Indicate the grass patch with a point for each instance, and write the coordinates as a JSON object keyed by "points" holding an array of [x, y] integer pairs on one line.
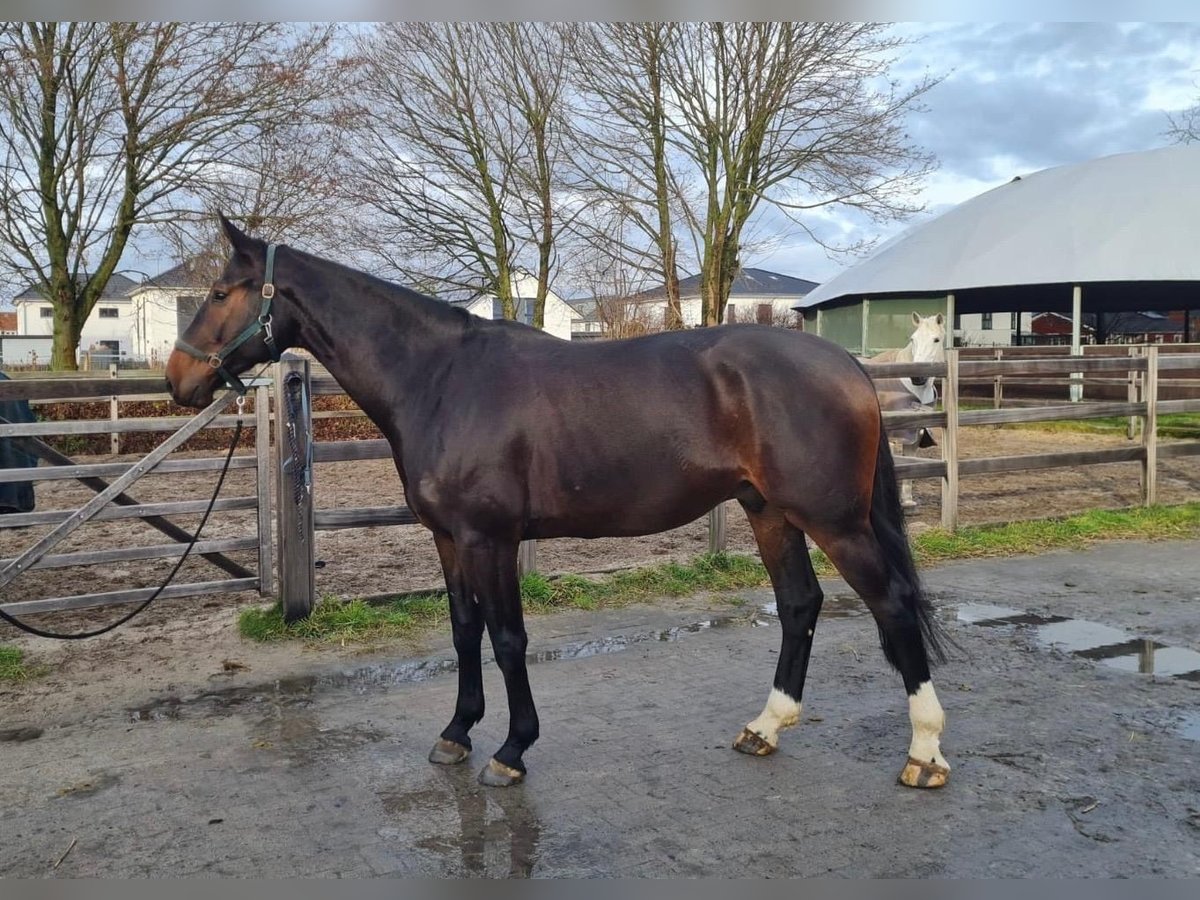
{"points": [[13, 666], [1170, 425], [365, 623], [356, 621], [1073, 532]]}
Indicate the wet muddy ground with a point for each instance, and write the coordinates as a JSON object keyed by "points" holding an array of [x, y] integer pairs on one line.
{"points": [[1073, 717]]}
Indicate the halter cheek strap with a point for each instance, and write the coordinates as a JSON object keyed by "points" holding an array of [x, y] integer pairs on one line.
{"points": [[261, 325]]}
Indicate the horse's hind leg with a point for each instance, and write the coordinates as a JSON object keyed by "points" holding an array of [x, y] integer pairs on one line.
{"points": [[466, 620], [894, 601], [798, 599]]}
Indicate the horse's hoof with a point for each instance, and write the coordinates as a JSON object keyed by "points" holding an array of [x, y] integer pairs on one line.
{"points": [[753, 744], [448, 753], [917, 774], [497, 774]]}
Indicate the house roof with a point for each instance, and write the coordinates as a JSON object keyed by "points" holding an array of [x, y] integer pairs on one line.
{"points": [[117, 289], [748, 282], [1128, 218], [187, 274]]}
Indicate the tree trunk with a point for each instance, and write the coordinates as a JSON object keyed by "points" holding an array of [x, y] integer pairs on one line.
{"points": [[66, 339]]}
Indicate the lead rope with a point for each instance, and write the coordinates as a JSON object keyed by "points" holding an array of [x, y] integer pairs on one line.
{"points": [[62, 636]]}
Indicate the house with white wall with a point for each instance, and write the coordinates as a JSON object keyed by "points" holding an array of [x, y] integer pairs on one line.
{"points": [[557, 315], [107, 330], [756, 295], [162, 307]]}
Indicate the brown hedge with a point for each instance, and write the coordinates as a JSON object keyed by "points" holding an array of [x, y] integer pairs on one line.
{"points": [[209, 439]]}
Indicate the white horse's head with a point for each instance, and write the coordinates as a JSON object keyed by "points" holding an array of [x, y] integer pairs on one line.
{"points": [[929, 339]]}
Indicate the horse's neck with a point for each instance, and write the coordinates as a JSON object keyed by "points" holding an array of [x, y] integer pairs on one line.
{"points": [[904, 354], [372, 336]]}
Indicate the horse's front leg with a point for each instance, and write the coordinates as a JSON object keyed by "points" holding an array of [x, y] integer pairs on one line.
{"points": [[907, 501], [466, 619], [490, 565]]}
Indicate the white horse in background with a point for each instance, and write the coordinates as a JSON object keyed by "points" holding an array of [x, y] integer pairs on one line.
{"points": [[927, 344]]}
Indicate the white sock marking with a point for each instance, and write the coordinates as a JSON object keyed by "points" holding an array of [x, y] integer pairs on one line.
{"points": [[928, 720], [780, 712]]}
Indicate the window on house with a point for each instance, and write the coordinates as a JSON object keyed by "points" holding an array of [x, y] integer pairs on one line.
{"points": [[46, 312], [987, 321], [108, 312], [763, 313]]}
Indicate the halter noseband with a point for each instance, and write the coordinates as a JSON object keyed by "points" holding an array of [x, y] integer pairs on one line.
{"points": [[262, 324]]}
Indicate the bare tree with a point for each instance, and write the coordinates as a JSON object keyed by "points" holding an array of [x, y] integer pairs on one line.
{"points": [[284, 186], [786, 113], [622, 131], [714, 120], [460, 153], [103, 126], [613, 285], [1185, 126]]}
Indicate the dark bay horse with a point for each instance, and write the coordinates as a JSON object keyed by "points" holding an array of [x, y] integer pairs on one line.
{"points": [[501, 432]]}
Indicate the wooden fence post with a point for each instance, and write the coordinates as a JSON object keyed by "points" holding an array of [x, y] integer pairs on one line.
{"points": [[526, 558], [1150, 430], [998, 384], [950, 442], [1132, 386], [262, 451], [114, 413], [716, 529], [293, 441]]}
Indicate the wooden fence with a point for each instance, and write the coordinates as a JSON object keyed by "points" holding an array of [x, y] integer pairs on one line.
{"points": [[1140, 373], [297, 457], [123, 506]]}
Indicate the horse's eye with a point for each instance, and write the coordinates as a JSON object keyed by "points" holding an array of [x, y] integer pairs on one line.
{"points": [[219, 296]]}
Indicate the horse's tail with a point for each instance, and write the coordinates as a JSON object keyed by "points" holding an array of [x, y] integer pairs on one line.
{"points": [[887, 520]]}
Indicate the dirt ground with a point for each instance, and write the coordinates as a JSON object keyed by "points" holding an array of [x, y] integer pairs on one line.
{"points": [[1072, 756], [380, 560]]}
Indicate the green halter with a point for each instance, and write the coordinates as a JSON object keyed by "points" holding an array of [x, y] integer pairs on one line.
{"points": [[262, 324]]}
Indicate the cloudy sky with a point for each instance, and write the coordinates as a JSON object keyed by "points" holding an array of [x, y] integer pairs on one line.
{"points": [[1016, 98]]}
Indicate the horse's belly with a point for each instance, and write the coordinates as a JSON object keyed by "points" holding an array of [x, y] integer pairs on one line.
{"points": [[626, 512]]}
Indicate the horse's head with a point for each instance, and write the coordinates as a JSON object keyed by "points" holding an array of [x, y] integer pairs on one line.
{"points": [[240, 323], [928, 340]]}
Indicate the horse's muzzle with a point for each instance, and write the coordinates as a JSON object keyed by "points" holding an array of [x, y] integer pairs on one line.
{"points": [[919, 381]]}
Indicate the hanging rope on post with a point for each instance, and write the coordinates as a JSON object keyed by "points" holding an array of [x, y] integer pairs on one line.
{"points": [[299, 465]]}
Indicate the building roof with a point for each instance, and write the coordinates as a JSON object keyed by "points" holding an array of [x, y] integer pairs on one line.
{"points": [[117, 289], [1108, 222], [188, 274], [749, 282]]}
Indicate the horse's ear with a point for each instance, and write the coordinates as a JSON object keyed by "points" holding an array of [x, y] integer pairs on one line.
{"points": [[941, 319], [239, 239], [916, 319]]}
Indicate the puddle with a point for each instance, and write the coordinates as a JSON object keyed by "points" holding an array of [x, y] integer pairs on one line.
{"points": [[1189, 727], [1103, 644], [474, 832]]}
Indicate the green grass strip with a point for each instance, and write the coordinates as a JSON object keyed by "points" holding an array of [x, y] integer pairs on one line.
{"points": [[357, 621]]}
